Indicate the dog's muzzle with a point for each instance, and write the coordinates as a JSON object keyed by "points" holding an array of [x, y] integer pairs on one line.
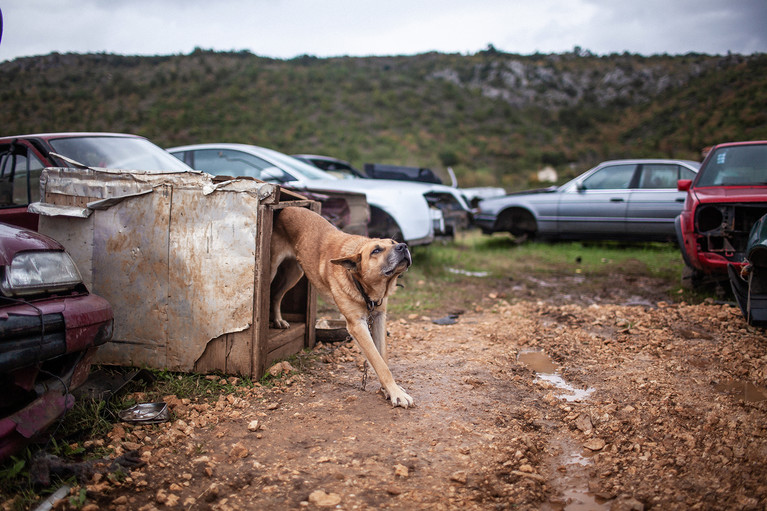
{"points": [[399, 255]]}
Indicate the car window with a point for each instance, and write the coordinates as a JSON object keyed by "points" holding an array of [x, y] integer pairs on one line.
{"points": [[229, 162], [294, 165], [685, 173], [744, 165], [659, 175], [128, 153], [19, 179], [610, 178]]}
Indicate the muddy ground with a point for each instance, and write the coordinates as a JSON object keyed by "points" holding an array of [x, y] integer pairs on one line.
{"points": [[540, 396]]}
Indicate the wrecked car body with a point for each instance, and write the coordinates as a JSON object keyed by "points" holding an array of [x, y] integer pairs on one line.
{"points": [[749, 282], [726, 198], [50, 328], [406, 212]]}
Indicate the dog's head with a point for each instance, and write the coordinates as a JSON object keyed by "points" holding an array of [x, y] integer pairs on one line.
{"points": [[377, 260]]}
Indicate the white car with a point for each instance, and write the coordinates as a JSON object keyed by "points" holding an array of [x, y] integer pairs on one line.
{"points": [[411, 212]]}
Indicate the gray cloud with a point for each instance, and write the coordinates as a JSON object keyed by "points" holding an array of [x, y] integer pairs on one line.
{"points": [[287, 28]]}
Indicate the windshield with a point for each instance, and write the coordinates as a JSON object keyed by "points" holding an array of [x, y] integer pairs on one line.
{"points": [[303, 169], [128, 153], [744, 165]]}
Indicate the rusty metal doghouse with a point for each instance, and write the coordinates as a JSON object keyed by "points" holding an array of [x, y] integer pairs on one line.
{"points": [[183, 258]]}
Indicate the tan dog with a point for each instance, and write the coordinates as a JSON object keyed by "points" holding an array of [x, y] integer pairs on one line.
{"points": [[357, 273]]}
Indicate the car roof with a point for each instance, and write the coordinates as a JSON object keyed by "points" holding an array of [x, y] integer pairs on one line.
{"points": [[319, 157], [748, 142], [73, 134], [624, 161]]}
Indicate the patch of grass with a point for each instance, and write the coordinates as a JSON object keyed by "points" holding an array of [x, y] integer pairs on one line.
{"points": [[455, 273], [193, 385]]}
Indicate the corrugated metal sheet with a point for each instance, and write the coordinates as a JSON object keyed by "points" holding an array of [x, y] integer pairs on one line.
{"points": [[174, 253]]}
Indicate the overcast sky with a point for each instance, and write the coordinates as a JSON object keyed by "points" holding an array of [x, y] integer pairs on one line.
{"points": [[325, 28]]}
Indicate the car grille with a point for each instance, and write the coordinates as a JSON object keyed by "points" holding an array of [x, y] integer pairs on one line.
{"points": [[724, 228]]}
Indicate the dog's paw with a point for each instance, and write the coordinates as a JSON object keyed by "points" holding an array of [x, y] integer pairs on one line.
{"points": [[280, 323], [399, 397]]}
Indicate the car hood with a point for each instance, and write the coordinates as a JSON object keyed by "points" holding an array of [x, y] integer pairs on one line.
{"points": [[504, 199], [14, 240], [739, 194], [393, 186], [374, 186]]}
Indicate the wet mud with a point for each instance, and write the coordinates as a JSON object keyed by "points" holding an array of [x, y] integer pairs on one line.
{"points": [[524, 402]]}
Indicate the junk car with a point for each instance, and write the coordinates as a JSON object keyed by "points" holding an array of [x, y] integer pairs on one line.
{"points": [[50, 327], [723, 202]]}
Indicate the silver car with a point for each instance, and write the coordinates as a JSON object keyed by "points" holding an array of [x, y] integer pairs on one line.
{"points": [[633, 200], [405, 211]]}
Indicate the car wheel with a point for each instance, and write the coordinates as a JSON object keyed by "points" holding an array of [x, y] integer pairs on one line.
{"points": [[519, 222], [692, 279]]}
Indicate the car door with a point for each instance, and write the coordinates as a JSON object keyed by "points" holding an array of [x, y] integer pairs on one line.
{"points": [[597, 206], [656, 202], [20, 170]]}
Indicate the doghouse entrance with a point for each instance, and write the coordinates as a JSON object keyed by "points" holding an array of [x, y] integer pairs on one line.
{"points": [[299, 307]]}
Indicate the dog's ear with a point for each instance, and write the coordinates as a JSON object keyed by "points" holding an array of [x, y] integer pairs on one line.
{"points": [[350, 263]]}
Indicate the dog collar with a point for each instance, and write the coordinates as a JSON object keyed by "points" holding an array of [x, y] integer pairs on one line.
{"points": [[368, 302]]}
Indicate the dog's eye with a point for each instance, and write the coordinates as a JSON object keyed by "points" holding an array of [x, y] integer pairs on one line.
{"points": [[376, 250]]}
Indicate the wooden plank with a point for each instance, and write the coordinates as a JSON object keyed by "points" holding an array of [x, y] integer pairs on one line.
{"points": [[292, 347], [279, 337], [259, 348], [214, 356]]}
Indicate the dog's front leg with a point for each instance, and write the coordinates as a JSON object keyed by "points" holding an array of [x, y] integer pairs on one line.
{"points": [[358, 328], [378, 331]]}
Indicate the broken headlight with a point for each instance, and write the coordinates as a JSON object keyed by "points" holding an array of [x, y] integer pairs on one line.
{"points": [[39, 272]]}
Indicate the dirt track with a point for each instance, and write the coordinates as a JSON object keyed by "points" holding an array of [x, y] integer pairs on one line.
{"points": [[659, 421]]}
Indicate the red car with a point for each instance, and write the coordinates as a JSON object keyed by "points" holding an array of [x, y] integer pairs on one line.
{"points": [[50, 326], [726, 198]]}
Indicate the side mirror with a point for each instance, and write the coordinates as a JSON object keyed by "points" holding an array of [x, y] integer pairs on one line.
{"points": [[683, 185]]}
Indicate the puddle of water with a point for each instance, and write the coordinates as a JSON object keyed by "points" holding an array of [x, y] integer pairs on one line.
{"points": [[570, 480], [573, 483], [546, 370], [469, 273], [581, 500], [744, 390], [573, 394], [538, 361]]}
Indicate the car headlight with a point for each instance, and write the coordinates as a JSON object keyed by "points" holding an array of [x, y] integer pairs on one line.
{"points": [[39, 272]]}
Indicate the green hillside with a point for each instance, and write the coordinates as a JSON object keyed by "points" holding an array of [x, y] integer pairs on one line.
{"points": [[496, 118]]}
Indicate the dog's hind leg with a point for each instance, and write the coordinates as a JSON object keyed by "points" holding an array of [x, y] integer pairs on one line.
{"points": [[288, 276]]}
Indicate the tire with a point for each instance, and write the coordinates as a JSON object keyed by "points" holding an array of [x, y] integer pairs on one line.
{"points": [[519, 222], [692, 279]]}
